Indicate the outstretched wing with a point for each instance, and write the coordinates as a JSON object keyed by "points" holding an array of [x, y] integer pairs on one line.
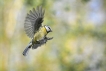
{"points": [[34, 21]]}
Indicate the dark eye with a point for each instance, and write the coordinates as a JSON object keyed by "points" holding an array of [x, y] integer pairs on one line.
{"points": [[49, 27]]}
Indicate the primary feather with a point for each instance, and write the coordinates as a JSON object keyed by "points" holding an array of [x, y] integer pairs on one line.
{"points": [[34, 21]]}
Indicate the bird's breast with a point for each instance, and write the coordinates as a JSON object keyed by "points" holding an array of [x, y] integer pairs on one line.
{"points": [[40, 34]]}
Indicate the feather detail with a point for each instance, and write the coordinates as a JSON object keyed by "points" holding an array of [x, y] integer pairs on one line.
{"points": [[27, 49], [34, 21]]}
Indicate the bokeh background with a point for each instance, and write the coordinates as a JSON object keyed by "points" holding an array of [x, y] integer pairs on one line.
{"points": [[79, 31]]}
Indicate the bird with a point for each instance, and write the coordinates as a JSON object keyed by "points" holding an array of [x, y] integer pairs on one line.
{"points": [[35, 30]]}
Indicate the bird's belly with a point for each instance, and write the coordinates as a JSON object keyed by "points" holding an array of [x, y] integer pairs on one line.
{"points": [[39, 36]]}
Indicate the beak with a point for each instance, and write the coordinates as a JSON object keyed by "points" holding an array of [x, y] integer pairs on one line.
{"points": [[50, 30]]}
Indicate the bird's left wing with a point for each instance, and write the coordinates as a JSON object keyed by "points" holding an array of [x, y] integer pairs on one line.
{"points": [[34, 21]]}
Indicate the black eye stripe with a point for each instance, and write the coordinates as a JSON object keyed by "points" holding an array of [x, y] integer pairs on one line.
{"points": [[49, 27]]}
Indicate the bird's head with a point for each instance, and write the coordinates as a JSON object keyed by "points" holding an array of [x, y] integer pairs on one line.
{"points": [[48, 29]]}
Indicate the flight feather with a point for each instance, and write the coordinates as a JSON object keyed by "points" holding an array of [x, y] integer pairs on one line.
{"points": [[34, 21]]}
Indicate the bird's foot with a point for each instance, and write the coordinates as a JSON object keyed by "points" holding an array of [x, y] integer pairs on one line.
{"points": [[49, 38]]}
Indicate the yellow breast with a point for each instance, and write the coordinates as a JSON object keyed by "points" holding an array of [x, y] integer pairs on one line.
{"points": [[40, 34]]}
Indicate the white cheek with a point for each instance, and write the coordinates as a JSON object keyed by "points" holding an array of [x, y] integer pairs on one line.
{"points": [[47, 28]]}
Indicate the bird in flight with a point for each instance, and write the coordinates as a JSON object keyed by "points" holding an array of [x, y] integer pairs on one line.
{"points": [[35, 30]]}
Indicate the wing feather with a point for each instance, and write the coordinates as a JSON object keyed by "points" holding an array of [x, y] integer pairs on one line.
{"points": [[34, 21]]}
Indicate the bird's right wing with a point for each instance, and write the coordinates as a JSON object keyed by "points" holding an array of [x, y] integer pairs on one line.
{"points": [[34, 21]]}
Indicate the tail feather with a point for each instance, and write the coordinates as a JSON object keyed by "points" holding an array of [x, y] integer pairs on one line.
{"points": [[27, 49]]}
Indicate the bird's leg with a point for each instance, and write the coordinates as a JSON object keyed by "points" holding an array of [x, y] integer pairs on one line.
{"points": [[49, 38], [44, 40]]}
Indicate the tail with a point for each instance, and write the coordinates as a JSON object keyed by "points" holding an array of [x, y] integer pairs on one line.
{"points": [[27, 49]]}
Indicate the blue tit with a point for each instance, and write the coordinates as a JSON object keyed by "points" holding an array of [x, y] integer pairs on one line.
{"points": [[35, 30]]}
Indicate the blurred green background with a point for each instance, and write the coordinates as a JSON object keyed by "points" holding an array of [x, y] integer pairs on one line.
{"points": [[79, 31]]}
